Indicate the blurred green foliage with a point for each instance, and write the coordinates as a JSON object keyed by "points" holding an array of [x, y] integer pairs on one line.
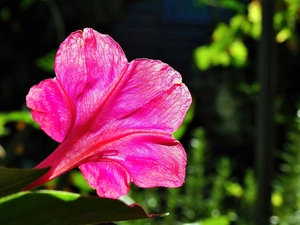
{"points": [[286, 197], [5, 14], [24, 4], [46, 63], [232, 4], [228, 47], [79, 181], [16, 116]]}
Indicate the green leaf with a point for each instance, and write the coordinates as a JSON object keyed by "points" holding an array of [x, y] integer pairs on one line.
{"points": [[221, 220], [255, 17], [284, 34], [222, 30], [24, 4], [63, 208], [254, 12], [46, 62], [277, 199], [5, 14], [202, 57], [15, 180], [237, 22], [234, 189], [233, 5], [238, 52], [15, 116], [79, 181]]}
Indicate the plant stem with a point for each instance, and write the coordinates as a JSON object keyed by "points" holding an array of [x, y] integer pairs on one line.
{"points": [[265, 118]]}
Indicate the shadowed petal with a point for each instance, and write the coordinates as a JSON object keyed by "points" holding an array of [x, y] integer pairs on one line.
{"points": [[50, 108], [156, 161], [151, 160], [109, 178]]}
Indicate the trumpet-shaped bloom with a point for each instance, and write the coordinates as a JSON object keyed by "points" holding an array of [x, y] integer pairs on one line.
{"points": [[114, 119]]}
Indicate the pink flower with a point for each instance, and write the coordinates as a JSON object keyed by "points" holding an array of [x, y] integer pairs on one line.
{"points": [[113, 119]]}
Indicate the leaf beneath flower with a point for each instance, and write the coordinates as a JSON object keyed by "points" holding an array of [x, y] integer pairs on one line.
{"points": [[15, 180], [64, 208]]}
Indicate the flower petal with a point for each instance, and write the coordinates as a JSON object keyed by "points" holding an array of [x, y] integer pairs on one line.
{"points": [[49, 107], [148, 160], [152, 160], [151, 96], [109, 178], [88, 64]]}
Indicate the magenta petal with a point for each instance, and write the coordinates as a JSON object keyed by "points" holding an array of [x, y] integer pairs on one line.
{"points": [[150, 96], [110, 179], [152, 159], [163, 112], [157, 169], [88, 64], [147, 160], [50, 108]]}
